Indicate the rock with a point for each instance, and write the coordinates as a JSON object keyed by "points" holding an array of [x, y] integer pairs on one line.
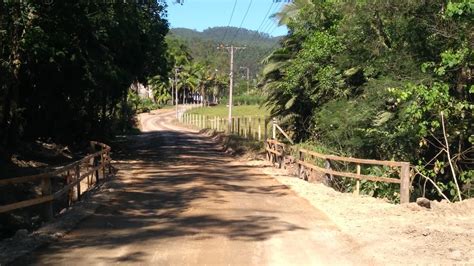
{"points": [[423, 202], [455, 255], [20, 234]]}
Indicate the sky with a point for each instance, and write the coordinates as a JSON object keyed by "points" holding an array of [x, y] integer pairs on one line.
{"points": [[203, 14]]}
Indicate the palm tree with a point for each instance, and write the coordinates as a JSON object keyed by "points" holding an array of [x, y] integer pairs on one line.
{"points": [[291, 11], [160, 87]]}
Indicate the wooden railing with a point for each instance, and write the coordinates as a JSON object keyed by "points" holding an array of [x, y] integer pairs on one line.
{"points": [[253, 128], [93, 165], [404, 170], [276, 152]]}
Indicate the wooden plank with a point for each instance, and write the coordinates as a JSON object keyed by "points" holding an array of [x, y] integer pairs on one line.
{"points": [[352, 175], [353, 160], [273, 141], [274, 151], [25, 203], [66, 188], [284, 134], [31, 178]]}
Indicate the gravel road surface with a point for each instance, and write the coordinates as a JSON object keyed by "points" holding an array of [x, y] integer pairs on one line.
{"points": [[179, 200]]}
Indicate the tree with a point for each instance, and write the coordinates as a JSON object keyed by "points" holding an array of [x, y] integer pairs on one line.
{"points": [[370, 79], [68, 65]]}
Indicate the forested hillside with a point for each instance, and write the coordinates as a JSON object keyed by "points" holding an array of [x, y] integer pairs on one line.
{"points": [[381, 80], [66, 66], [203, 47]]}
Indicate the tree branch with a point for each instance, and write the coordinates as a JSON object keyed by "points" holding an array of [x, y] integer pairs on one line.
{"points": [[449, 157]]}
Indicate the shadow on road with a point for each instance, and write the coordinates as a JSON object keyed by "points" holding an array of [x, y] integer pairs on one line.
{"points": [[172, 184]]}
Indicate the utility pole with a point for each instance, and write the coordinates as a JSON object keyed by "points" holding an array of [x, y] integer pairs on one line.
{"points": [[176, 71], [231, 49], [172, 90], [248, 78]]}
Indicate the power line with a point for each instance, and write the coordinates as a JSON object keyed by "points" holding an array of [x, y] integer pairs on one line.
{"points": [[230, 20], [242, 22], [269, 26], [265, 17], [266, 23], [263, 21]]}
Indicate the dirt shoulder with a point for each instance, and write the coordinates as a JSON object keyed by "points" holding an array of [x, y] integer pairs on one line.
{"points": [[394, 234]]}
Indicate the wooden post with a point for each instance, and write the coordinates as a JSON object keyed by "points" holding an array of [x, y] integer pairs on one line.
{"points": [[300, 159], [327, 165], [357, 191], [238, 126], [265, 126], [259, 129], [233, 125], [93, 163], [267, 145], [70, 193], [274, 128], [250, 128], [96, 163], [405, 183], [102, 163], [282, 157], [78, 176], [46, 191]]}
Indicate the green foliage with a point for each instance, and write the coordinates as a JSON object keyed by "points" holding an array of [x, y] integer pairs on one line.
{"points": [[202, 47], [371, 78], [67, 66]]}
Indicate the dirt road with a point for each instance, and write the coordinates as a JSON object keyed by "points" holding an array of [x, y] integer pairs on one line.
{"points": [[180, 200]]}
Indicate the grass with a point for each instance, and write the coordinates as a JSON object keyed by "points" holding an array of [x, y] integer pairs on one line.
{"points": [[237, 111]]}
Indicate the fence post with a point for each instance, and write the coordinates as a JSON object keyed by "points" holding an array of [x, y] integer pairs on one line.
{"points": [[238, 126], [94, 164], [282, 157], [357, 191], [102, 164], [405, 183], [300, 159], [250, 128], [274, 128], [46, 191], [265, 125], [78, 176], [327, 165]]}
